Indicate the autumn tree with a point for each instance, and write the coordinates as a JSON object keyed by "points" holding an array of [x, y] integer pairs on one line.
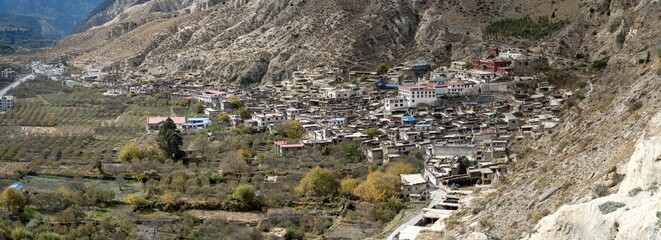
{"points": [[13, 200], [130, 152], [169, 140], [136, 201], [293, 129], [318, 182], [377, 187], [397, 168], [348, 186]]}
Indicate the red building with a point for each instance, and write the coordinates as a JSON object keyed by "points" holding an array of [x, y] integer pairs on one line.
{"points": [[498, 66]]}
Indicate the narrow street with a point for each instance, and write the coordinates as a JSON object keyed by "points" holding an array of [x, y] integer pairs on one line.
{"points": [[437, 196], [15, 84]]}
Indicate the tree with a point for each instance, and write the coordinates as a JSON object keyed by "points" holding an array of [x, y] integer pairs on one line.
{"points": [[245, 198], [293, 129], [20, 234], [318, 182], [348, 186], [169, 140], [49, 236], [136, 201], [199, 108], [397, 168], [234, 101], [13, 200], [382, 69], [373, 132], [130, 152], [243, 112], [377, 187], [224, 118], [464, 164]]}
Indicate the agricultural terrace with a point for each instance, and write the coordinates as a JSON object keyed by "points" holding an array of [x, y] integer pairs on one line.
{"points": [[64, 143]]}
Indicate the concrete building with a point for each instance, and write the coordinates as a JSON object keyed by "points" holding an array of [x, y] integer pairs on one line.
{"points": [[263, 120], [413, 185], [8, 73], [6, 103], [411, 97]]}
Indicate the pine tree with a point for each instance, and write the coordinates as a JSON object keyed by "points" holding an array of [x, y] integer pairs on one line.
{"points": [[169, 139]]}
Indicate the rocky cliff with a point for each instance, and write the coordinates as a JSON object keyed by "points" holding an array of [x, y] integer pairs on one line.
{"points": [[606, 144], [250, 41]]}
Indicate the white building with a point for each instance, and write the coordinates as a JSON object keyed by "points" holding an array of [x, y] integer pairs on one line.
{"points": [[8, 74], [264, 120], [392, 104], [6, 103], [211, 96], [411, 97]]}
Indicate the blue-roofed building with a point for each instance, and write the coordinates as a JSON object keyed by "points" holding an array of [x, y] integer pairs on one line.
{"points": [[16, 186], [420, 66], [385, 85], [408, 120], [197, 123], [439, 80]]}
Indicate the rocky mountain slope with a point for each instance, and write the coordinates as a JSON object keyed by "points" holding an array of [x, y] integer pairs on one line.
{"points": [[64, 15], [247, 41], [607, 142], [607, 121]]}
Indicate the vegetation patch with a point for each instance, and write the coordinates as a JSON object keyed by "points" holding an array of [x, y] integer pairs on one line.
{"points": [[598, 65], [525, 28], [610, 206], [600, 190]]}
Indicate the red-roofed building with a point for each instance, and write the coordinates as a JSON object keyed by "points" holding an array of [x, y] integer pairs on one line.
{"points": [[282, 147], [498, 66], [154, 123]]}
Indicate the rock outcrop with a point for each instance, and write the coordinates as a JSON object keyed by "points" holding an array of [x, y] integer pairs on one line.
{"points": [[639, 213], [250, 41]]}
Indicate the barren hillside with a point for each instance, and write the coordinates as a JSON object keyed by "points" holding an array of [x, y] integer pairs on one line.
{"points": [[243, 41]]}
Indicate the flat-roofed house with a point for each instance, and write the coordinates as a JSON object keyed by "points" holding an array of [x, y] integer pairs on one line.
{"points": [[155, 123], [282, 148], [413, 185]]}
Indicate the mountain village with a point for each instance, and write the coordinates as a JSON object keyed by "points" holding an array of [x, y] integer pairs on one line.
{"points": [[461, 119]]}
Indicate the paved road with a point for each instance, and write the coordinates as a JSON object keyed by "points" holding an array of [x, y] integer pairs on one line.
{"points": [[437, 196], [15, 84]]}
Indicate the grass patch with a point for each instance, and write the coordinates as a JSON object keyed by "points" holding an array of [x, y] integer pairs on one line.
{"points": [[524, 28], [600, 190], [610, 206]]}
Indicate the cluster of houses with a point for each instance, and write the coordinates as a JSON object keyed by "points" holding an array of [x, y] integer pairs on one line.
{"points": [[460, 117]]}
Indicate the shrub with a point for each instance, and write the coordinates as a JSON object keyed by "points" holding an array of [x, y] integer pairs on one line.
{"points": [[20, 234], [610, 206], [600, 190], [635, 191], [49, 236], [599, 64], [292, 233], [524, 28]]}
